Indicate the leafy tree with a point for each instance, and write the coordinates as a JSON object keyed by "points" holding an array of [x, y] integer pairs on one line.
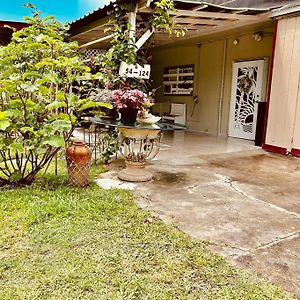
{"points": [[41, 80]]}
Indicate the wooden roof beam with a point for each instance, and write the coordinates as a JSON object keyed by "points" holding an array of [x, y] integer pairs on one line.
{"points": [[199, 21], [213, 15], [200, 7], [98, 23], [197, 8], [96, 41], [164, 37], [238, 24], [190, 27]]}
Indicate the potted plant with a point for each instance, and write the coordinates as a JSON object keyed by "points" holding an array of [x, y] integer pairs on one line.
{"points": [[129, 101]]}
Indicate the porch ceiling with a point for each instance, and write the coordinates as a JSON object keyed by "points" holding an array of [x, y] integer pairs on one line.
{"points": [[198, 17]]}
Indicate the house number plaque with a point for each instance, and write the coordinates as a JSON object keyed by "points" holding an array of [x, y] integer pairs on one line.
{"points": [[135, 71]]}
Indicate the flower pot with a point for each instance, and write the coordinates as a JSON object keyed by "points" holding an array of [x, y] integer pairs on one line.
{"points": [[78, 157], [128, 116]]}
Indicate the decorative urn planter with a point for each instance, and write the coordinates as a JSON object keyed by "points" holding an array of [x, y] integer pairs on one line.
{"points": [[78, 157], [128, 116]]}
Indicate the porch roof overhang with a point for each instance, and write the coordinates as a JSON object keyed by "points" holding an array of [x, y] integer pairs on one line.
{"points": [[289, 10], [198, 17]]}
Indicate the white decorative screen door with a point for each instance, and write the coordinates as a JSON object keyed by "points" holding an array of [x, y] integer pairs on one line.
{"points": [[247, 83]]}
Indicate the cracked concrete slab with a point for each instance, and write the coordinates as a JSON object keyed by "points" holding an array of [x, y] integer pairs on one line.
{"points": [[243, 201], [277, 262], [282, 169]]}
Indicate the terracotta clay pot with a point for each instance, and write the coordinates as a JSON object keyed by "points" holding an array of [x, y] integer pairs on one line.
{"points": [[78, 157], [128, 116]]}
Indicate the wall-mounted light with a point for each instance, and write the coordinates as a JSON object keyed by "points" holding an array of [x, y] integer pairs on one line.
{"points": [[257, 36], [236, 42]]}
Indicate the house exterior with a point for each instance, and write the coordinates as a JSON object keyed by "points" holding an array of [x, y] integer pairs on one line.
{"points": [[236, 69], [6, 30]]}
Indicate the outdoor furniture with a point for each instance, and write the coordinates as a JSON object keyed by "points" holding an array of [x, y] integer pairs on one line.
{"points": [[96, 137], [137, 144], [177, 113]]}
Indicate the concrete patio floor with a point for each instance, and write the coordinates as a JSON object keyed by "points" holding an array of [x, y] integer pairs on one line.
{"points": [[243, 201]]}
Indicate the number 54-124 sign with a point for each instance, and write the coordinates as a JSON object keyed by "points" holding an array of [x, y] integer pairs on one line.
{"points": [[135, 71]]}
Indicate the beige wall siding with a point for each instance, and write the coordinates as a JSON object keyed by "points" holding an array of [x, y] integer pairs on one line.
{"points": [[284, 118], [208, 60], [209, 87]]}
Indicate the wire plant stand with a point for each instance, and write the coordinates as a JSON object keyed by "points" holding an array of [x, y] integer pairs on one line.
{"points": [[139, 150]]}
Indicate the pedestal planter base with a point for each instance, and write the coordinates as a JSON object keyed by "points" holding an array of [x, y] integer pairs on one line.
{"points": [[135, 172]]}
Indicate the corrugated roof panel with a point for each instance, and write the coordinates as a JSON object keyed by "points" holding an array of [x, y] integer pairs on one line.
{"points": [[94, 11], [92, 16], [252, 4], [227, 4]]}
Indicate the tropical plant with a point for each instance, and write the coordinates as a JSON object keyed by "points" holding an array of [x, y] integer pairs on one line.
{"points": [[42, 83]]}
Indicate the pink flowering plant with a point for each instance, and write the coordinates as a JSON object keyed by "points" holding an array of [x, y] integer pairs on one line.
{"points": [[129, 98]]}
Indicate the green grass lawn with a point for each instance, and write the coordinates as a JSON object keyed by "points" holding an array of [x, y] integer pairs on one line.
{"points": [[60, 242]]}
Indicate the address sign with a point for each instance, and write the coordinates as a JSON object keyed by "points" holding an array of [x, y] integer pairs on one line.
{"points": [[135, 71]]}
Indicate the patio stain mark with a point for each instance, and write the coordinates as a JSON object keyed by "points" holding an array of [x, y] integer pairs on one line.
{"points": [[257, 162], [171, 178], [239, 163]]}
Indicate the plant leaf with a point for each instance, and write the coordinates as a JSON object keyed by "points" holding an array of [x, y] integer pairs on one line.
{"points": [[4, 124], [61, 125], [54, 141], [43, 89], [60, 96], [55, 105], [3, 115], [91, 104], [30, 88], [16, 147]]}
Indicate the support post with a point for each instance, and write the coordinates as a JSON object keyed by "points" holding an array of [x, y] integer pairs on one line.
{"points": [[132, 23]]}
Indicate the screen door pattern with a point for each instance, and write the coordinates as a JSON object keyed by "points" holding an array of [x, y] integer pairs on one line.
{"points": [[247, 84]]}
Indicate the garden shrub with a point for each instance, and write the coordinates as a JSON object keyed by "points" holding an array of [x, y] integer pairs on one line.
{"points": [[41, 80]]}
